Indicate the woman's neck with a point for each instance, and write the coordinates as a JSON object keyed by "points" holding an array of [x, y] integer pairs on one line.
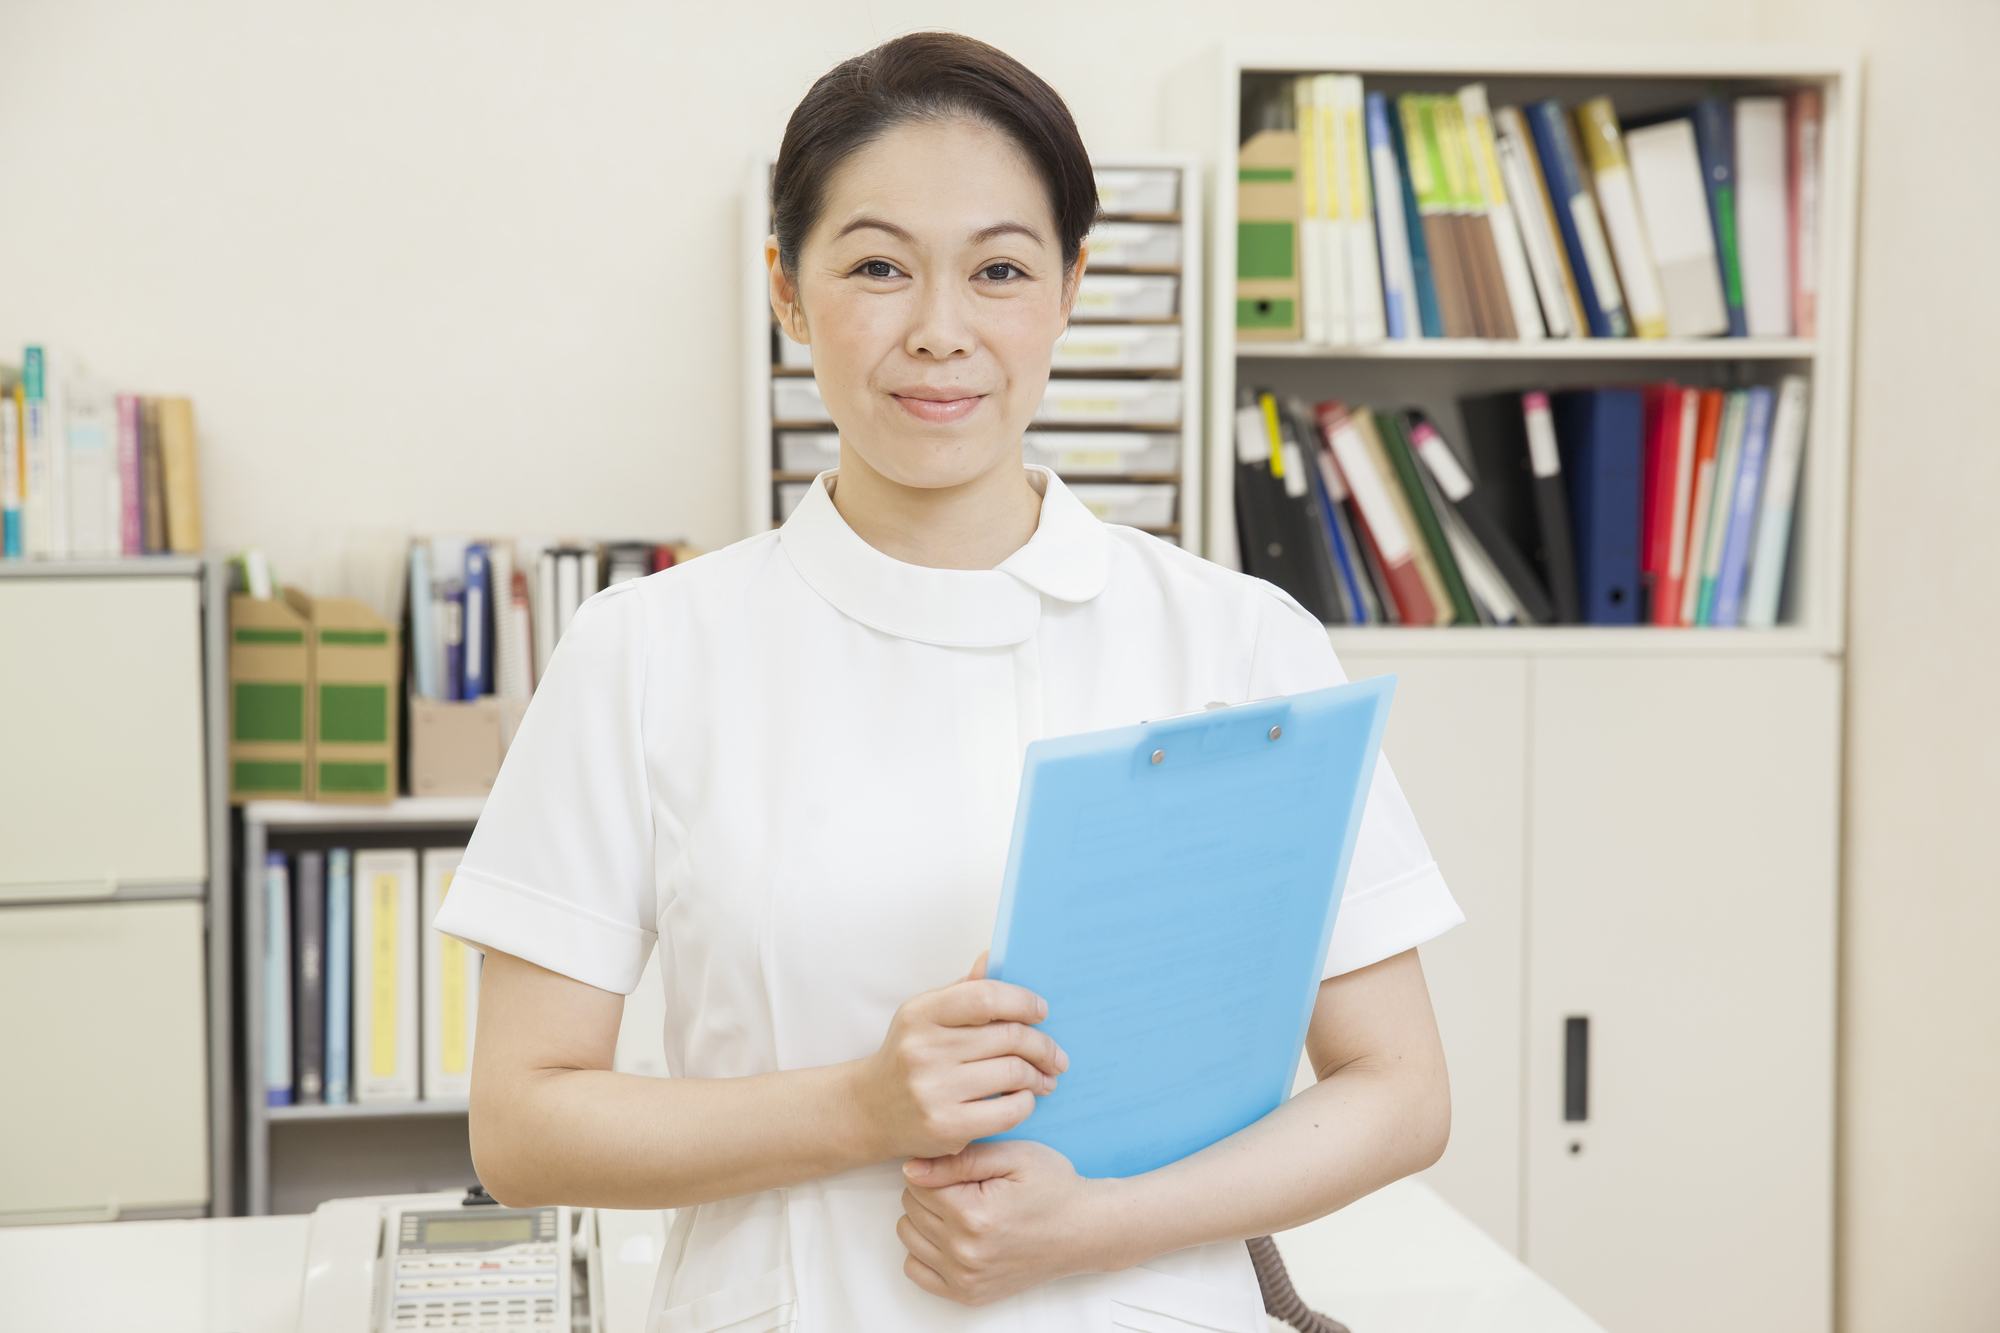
{"points": [[974, 525]]}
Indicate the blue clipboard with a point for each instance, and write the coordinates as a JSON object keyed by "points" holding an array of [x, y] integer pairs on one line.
{"points": [[1171, 891]]}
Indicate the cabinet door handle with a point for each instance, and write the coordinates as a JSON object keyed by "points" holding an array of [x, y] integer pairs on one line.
{"points": [[1576, 1068]]}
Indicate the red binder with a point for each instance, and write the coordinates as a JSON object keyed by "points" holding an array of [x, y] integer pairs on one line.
{"points": [[1382, 528]]}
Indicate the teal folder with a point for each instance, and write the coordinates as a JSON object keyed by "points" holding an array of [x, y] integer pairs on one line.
{"points": [[1170, 892]]}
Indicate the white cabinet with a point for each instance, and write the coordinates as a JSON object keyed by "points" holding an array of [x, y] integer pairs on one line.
{"points": [[113, 985], [1682, 898], [105, 1050], [1648, 844], [1457, 740], [101, 714]]}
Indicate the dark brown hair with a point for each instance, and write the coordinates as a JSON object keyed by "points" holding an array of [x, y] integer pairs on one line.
{"points": [[929, 76]]}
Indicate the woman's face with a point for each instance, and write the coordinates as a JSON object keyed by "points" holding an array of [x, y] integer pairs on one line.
{"points": [[932, 292]]}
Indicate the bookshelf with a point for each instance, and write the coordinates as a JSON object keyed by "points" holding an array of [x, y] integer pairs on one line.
{"points": [[1642, 824], [1154, 451], [296, 1156]]}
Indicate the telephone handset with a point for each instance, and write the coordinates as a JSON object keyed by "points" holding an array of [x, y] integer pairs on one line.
{"points": [[411, 1262]]}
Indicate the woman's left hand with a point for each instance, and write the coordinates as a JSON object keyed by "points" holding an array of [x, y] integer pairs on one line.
{"points": [[999, 1218]]}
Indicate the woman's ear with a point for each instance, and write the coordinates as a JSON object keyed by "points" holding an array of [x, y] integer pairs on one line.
{"points": [[785, 307], [1074, 281]]}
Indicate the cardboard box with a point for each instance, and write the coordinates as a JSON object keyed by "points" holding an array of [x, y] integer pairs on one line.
{"points": [[456, 748], [357, 675], [270, 698]]}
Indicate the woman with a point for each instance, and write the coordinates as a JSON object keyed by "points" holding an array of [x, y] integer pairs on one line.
{"points": [[792, 764]]}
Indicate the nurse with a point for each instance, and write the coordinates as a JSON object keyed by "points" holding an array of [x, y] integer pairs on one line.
{"points": [[791, 767]]}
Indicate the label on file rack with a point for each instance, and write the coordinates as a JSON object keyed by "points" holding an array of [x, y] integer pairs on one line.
{"points": [[1542, 456]]}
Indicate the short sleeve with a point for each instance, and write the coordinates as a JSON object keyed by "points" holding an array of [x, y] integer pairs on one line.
{"points": [[1395, 897], [560, 868]]}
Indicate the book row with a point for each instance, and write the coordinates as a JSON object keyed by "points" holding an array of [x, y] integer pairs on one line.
{"points": [[363, 1001], [1659, 504], [88, 472], [485, 616], [1365, 216]]}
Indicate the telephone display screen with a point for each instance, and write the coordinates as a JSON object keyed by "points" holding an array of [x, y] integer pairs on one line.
{"points": [[457, 1231]]}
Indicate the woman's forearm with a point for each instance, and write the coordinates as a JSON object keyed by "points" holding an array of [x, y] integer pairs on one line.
{"points": [[1335, 1142], [603, 1139]]}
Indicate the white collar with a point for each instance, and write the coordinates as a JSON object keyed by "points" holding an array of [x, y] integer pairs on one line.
{"points": [[1068, 558]]}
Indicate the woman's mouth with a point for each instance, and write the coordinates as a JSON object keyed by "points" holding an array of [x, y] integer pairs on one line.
{"points": [[938, 411]]}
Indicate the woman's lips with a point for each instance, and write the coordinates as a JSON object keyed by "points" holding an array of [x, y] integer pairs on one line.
{"points": [[938, 411]]}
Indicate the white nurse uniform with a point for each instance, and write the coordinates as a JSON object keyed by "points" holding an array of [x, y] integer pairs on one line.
{"points": [[792, 765]]}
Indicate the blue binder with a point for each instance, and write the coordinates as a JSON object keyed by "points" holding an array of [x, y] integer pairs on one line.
{"points": [[1170, 892], [1602, 436]]}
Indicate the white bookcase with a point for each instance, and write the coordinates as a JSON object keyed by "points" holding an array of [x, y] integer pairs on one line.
{"points": [[1109, 487], [296, 1157], [1642, 824]]}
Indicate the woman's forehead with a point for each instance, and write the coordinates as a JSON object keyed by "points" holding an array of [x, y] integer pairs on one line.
{"points": [[953, 180]]}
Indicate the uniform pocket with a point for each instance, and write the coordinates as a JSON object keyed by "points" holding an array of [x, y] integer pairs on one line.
{"points": [[766, 1304], [1145, 1300]]}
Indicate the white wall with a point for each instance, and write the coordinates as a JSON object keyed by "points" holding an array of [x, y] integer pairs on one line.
{"points": [[448, 265], [445, 265]]}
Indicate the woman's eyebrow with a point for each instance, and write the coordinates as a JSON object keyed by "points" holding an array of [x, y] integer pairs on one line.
{"points": [[1006, 229], [876, 224]]}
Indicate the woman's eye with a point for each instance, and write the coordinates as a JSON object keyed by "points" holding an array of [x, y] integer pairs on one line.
{"points": [[879, 268], [999, 272]]}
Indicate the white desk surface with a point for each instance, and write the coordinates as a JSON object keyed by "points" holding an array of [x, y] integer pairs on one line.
{"points": [[1400, 1261]]}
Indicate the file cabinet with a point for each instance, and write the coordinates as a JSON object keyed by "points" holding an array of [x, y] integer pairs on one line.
{"points": [[1647, 854], [114, 963]]}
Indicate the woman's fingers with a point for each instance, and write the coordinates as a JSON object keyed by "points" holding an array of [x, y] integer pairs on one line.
{"points": [[996, 1115], [994, 1040], [969, 1004], [979, 1079]]}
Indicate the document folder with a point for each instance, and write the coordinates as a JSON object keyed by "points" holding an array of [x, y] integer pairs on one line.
{"points": [[1170, 892]]}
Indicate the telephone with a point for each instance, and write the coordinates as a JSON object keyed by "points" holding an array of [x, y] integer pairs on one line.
{"points": [[407, 1263]]}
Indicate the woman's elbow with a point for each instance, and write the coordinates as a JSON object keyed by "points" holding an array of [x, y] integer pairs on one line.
{"points": [[507, 1172], [1429, 1118]]}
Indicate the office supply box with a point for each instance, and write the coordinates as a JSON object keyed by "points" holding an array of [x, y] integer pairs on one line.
{"points": [[270, 697], [357, 673]]}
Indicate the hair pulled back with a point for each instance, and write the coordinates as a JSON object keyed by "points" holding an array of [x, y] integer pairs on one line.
{"points": [[929, 76]]}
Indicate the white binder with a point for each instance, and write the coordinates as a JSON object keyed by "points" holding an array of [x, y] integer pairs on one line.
{"points": [[385, 976], [451, 988]]}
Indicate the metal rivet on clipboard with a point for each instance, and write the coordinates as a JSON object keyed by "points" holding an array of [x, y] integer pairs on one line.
{"points": [[1159, 756], [1277, 732]]}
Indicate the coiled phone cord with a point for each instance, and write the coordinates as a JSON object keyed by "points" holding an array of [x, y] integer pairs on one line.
{"points": [[1280, 1300]]}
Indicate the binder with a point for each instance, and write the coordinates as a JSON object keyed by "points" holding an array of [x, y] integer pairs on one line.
{"points": [[478, 622], [1742, 510], [1715, 142], [1681, 439], [1707, 437], [1425, 166], [277, 980], [1330, 497], [453, 638], [1281, 543], [451, 988], [1562, 309], [309, 980], [1604, 149], [1390, 537], [1364, 267], [1399, 292], [1389, 426], [425, 653], [1666, 172], [1429, 320], [1774, 512], [1472, 502], [1576, 218], [339, 973], [1763, 243], [1500, 213], [1170, 891], [1803, 126], [386, 999], [1601, 433], [1728, 457], [10, 471], [1511, 443]]}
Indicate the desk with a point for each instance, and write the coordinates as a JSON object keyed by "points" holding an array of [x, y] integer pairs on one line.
{"points": [[1400, 1261]]}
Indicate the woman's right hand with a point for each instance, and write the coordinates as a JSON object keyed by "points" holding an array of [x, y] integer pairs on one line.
{"points": [[959, 1063]]}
